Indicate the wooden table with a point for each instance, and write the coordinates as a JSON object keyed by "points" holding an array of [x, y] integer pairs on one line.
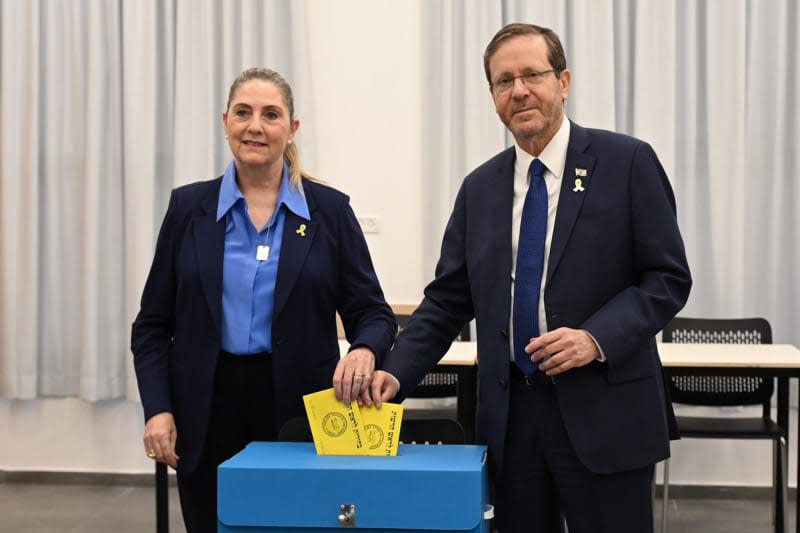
{"points": [[780, 361]]}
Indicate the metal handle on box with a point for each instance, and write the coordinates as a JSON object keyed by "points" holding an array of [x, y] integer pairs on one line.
{"points": [[347, 515]]}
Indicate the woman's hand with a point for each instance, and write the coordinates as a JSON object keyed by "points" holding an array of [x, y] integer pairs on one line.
{"points": [[353, 375], [160, 435]]}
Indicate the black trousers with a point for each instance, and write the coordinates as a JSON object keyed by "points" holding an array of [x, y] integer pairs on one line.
{"points": [[241, 412], [543, 479]]}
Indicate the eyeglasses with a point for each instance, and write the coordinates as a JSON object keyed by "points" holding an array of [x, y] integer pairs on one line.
{"points": [[530, 80]]}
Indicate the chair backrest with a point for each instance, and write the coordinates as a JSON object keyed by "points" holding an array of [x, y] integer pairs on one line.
{"points": [[412, 431], [437, 383], [720, 390], [431, 431]]}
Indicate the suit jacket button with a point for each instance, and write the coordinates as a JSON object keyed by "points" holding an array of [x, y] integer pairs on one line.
{"points": [[503, 383], [504, 333]]}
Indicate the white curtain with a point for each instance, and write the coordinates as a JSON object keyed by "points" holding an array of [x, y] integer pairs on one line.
{"points": [[713, 85], [460, 127], [105, 107]]}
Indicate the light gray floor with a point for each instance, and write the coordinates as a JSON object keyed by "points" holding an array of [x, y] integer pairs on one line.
{"points": [[59, 508], [719, 516], [52, 508]]}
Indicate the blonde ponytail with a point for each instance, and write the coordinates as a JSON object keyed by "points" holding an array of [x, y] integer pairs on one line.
{"points": [[296, 174]]}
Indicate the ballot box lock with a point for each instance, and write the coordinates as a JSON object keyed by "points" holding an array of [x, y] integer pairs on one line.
{"points": [[347, 515]]}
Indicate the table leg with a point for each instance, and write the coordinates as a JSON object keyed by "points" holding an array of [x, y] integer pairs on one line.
{"points": [[797, 492], [783, 421], [467, 400], [162, 498]]}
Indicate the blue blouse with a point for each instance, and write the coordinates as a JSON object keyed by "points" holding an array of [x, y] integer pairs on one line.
{"points": [[248, 280]]}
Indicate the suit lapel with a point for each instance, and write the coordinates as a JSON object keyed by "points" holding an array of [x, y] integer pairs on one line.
{"points": [[500, 213], [209, 242], [575, 185], [298, 234]]}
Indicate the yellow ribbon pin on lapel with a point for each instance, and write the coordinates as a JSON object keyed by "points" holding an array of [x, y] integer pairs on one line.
{"points": [[301, 230], [580, 172]]}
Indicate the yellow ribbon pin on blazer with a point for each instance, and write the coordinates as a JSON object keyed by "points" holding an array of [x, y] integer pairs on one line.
{"points": [[301, 230]]}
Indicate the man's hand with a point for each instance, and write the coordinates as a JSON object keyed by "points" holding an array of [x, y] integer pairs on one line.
{"points": [[563, 349], [384, 387]]}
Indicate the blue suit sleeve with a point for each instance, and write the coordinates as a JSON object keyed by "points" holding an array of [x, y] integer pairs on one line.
{"points": [[635, 315], [367, 319], [152, 331], [443, 312]]}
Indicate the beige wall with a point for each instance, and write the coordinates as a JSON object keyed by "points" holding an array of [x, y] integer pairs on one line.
{"points": [[367, 82]]}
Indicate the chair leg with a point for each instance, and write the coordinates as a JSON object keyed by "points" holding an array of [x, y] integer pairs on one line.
{"points": [[665, 497]]}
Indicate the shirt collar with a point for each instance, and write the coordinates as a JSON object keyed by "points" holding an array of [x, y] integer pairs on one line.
{"points": [[293, 199], [229, 192], [554, 155]]}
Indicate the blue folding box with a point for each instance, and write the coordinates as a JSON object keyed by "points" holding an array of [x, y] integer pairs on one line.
{"points": [[286, 486]]}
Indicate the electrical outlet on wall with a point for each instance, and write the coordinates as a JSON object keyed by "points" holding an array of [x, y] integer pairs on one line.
{"points": [[369, 223]]}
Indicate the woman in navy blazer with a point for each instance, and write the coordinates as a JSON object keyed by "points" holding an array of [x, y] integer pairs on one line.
{"points": [[237, 318]]}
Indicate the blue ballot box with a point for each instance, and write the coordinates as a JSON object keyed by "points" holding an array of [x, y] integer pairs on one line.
{"points": [[286, 486]]}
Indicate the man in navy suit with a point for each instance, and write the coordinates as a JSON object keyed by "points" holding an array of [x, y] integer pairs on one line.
{"points": [[574, 410]]}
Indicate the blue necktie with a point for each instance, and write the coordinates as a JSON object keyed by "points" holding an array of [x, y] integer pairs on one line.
{"points": [[530, 265]]}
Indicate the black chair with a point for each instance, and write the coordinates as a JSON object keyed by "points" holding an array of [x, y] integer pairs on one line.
{"points": [[296, 429], [725, 390], [419, 431]]}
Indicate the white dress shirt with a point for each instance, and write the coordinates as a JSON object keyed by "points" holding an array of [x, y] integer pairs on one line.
{"points": [[554, 158]]}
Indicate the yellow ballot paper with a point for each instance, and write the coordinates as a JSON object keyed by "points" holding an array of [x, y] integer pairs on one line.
{"points": [[339, 429], [381, 429], [336, 427]]}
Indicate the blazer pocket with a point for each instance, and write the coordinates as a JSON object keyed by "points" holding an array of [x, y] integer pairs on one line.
{"points": [[640, 366]]}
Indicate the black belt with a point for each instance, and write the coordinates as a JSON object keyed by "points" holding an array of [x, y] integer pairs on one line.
{"points": [[537, 378]]}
